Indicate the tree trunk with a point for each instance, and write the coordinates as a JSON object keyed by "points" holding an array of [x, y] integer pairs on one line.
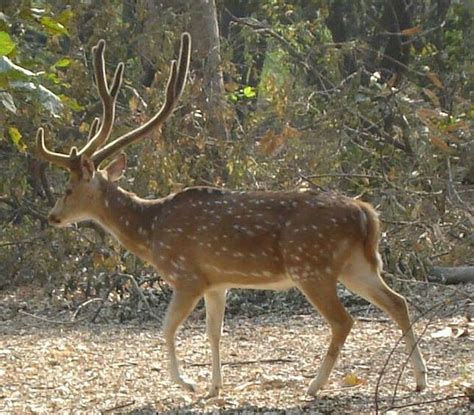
{"points": [[336, 23], [396, 55], [206, 62]]}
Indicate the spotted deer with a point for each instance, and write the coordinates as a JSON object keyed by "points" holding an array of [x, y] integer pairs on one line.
{"points": [[204, 240]]}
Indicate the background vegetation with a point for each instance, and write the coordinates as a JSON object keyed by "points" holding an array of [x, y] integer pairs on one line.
{"points": [[368, 97]]}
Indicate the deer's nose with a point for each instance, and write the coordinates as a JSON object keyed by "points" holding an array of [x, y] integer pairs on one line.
{"points": [[53, 219]]}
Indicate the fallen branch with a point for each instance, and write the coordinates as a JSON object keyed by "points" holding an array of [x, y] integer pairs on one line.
{"points": [[451, 275]]}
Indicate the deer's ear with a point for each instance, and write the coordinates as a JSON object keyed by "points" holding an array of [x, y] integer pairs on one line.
{"points": [[116, 167], [87, 168]]}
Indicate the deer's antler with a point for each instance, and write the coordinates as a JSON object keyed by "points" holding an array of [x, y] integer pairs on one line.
{"points": [[59, 159], [174, 89], [108, 97], [97, 135]]}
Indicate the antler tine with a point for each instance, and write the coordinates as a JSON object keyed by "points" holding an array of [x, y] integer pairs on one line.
{"points": [[94, 128], [59, 159], [108, 97], [183, 64], [117, 81], [174, 89]]}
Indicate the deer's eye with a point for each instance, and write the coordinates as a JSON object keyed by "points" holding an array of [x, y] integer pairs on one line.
{"points": [[68, 192]]}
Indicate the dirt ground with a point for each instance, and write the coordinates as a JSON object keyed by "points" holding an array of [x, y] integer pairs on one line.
{"points": [[269, 360]]}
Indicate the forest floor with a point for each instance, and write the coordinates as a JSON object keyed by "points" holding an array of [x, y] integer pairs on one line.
{"points": [[269, 360]]}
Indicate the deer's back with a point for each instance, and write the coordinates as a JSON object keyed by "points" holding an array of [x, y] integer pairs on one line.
{"points": [[254, 237]]}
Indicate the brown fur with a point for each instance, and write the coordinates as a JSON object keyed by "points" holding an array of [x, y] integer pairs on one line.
{"points": [[372, 238]]}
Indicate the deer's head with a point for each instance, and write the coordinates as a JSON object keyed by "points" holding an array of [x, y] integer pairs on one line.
{"points": [[83, 194]]}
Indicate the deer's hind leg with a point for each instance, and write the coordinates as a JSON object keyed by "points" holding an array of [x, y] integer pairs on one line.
{"points": [[323, 296], [362, 279], [215, 308]]}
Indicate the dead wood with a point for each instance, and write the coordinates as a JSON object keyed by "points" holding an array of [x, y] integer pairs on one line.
{"points": [[451, 275]]}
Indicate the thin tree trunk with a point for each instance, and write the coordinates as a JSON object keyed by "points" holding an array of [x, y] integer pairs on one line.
{"points": [[207, 64]]}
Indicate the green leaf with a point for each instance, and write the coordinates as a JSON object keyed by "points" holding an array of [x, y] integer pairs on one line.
{"points": [[16, 138], [233, 97], [52, 77], [62, 63], [6, 44], [53, 26], [249, 92], [71, 103], [65, 16]]}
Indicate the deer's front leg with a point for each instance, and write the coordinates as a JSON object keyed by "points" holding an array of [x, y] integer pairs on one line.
{"points": [[181, 305], [215, 307]]}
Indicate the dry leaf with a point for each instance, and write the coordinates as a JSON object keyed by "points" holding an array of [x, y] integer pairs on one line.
{"points": [[459, 125], [84, 127], [133, 104], [459, 332], [432, 96], [440, 143], [291, 132], [426, 113], [271, 143], [393, 80], [352, 380], [411, 31], [434, 78], [231, 86], [445, 332]]}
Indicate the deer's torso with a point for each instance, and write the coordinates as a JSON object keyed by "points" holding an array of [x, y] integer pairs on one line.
{"points": [[250, 239]]}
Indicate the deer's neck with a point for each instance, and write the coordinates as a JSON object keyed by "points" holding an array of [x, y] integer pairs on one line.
{"points": [[127, 218]]}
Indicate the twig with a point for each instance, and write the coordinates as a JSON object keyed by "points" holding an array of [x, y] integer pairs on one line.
{"points": [[140, 294], [104, 299], [439, 255], [311, 183], [373, 319], [366, 47], [453, 194], [47, 320], [404, 222], [12, 243], [148, 280], [405, 363], [45, 184], [300, 57], [403, 190], [348, 175], [91, 300], [114, 408], [387, 360], [39, 235], [246, 362], [447, 398]]}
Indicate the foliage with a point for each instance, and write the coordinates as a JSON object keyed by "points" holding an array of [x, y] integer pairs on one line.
{"points": [[309, 107]]}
